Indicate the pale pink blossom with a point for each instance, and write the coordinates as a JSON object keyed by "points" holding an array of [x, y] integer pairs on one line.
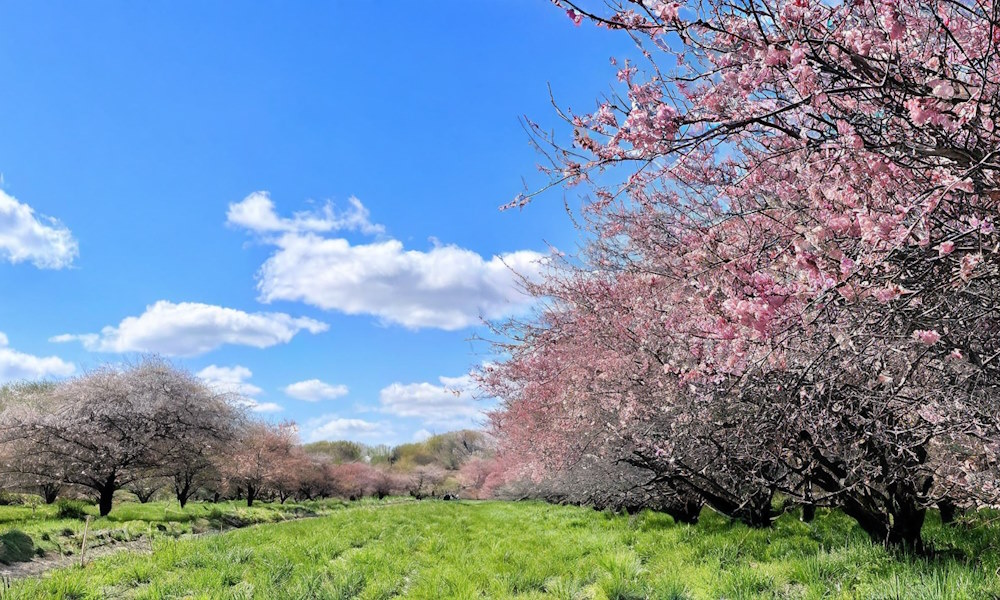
{"points": [[669, 11]]}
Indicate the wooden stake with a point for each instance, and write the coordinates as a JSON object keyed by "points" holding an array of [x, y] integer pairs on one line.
{"points": [[83, 546]]}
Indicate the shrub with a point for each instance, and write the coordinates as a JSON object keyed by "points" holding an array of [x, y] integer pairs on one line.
{"points": [[16, 546], [11, 499], [71, 509]]}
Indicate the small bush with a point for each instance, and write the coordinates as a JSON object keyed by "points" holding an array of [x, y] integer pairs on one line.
{"points": [[71, 509], [16, 546], [11, 499]]}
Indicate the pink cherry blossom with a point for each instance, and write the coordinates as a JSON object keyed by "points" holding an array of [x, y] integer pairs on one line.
{"points": [[926, 336], [777, 231]]}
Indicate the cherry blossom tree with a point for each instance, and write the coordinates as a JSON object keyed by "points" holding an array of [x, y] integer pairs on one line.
{"points": [[315, 479], [254, 463], [20, 470], [425, 480], [791, 279], [475, 477], [111, 428], [354, 480], [145, 489]]}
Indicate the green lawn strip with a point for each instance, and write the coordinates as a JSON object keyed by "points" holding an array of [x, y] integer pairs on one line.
{"points": [[430, 550], [50, 534]]}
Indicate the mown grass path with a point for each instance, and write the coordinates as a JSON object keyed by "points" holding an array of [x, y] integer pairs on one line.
{"points": [[430, 550], [56, 541], [142, 542]]}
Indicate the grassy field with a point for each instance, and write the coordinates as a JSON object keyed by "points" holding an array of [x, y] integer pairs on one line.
{"points": [[50, 533], [468, 550]]}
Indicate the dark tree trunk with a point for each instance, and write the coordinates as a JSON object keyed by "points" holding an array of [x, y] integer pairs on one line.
{"points": [[753, 510], [50, 492], [756, 511], [905, 530], [900, 528], [251, 495], [808, 512], [106, 496], [893, 517], [182, 489], [808, 506], [949, 510], [687, 511]]}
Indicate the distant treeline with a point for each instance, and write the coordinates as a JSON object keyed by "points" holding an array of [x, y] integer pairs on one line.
{"points": [[152, 429]]}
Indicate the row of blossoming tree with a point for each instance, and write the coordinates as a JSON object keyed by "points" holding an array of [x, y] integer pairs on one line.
{"points": [[145, 427], [790, 284]]}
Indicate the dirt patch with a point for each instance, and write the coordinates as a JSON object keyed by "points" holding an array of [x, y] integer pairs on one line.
{"points": [[40, 565]]}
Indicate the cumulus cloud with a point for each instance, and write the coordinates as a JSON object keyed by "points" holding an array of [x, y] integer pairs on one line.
{"points": [[256, 212], [445, 287], [229, 380], [190, 328], [16, 365], [332, 427], [233, 380], [260, 407], [314, 390], [450, 404], [27, 236]]}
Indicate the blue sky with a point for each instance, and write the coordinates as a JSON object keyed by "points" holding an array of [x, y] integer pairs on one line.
{"points": [[298, 201]]}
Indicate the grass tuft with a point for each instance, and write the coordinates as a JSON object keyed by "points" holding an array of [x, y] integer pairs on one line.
{"points": [[16, 546], [71, 509]]}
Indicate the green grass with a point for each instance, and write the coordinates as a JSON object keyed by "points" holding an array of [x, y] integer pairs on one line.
{"points": [[49, 532], [462, 550]]}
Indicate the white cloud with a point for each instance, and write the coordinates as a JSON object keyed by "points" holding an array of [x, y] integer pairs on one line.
{"points": [[421, 435], [256, 213], [331, 427], [452, 404], [314, 390], [446, 287], [16, 365], [26, 236], [233, 380], [190, 328], [261, 407], [229, 380]]}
